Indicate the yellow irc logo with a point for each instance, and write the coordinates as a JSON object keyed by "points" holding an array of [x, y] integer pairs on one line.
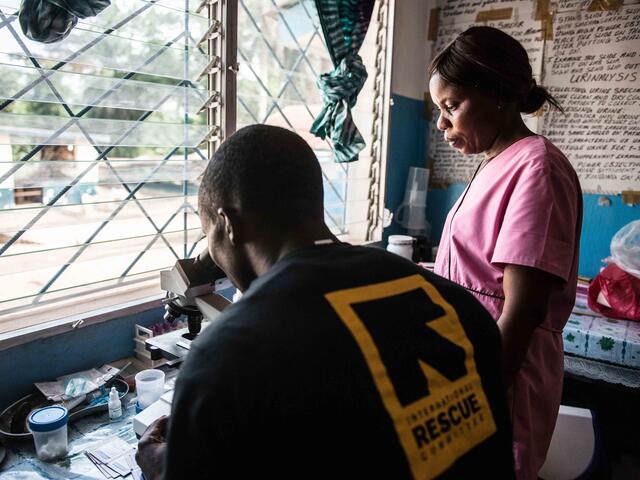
{"points": [[423, 368]]}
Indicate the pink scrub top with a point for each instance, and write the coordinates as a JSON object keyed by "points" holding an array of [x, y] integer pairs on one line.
{"points": [[524, 208]]}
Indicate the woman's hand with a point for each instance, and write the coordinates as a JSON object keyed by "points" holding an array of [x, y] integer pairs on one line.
{"points": [[151, 449], [527, 292]]}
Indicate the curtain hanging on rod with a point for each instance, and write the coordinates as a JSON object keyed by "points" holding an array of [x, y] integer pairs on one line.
{"points": [[344, 26]]}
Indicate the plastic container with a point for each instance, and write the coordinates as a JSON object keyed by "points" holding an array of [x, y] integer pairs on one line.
{"points": [[49, 428], [625, 248], [401, 245], [114, 405], [411, 214], [149, 386]]}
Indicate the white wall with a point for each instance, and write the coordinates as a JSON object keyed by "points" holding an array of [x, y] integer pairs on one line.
{"points": [[409, 48]]}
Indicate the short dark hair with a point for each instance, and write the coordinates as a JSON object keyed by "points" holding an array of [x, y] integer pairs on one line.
{"points": [[495, 63], [266, 170]]}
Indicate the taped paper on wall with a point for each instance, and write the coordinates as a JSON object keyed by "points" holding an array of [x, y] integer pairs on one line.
{"points": [[434, 20], [493, 15], [595, 75], [591, 65], [605, 5]]}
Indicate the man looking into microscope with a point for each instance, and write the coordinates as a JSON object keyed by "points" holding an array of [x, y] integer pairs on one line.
{"points": [[339, 360]]}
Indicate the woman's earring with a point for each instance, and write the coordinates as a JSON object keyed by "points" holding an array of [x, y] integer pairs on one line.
{"points": [[499, 106]]}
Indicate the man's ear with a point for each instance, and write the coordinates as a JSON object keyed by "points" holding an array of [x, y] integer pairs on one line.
{"points": [[231, 224]]}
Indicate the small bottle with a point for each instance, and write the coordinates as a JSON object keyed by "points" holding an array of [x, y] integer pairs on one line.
{"points": [[115, 405]]}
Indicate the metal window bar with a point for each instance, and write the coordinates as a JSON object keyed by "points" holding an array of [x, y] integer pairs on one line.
{"points": [[345, 167], [185, 182], [286, 119], [73, 118], [302, 56], [313, 71], [215, 8], [73, 121], [70, 112], [289, 80], [6, 21], [279, 62]]}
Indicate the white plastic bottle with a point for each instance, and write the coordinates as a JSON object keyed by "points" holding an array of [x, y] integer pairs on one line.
{"points": [[115, 405], [401, 245]]}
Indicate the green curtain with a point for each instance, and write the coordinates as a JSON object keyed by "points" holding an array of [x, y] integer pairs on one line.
{"points": [[50, 21], [344, 26]]}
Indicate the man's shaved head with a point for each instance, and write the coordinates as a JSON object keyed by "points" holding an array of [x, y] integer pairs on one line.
{"points": [[268, 171]]}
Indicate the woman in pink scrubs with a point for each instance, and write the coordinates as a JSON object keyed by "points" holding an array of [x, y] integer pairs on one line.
{"points": [[512, 237]]}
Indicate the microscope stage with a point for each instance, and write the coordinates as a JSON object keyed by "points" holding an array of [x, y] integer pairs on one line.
{"points": [[184, 343], [173, 345]]}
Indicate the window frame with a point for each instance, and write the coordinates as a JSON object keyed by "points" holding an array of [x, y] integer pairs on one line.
{"points": [[221, 122], [221, 118]]}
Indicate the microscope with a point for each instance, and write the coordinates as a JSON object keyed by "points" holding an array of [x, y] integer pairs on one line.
{"points": [[190, 285]]}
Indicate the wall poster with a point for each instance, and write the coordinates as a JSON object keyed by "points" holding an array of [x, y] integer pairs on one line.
{"points": [[590, 62]]}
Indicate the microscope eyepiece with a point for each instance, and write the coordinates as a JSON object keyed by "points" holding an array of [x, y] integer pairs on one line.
{"points": [[205, 260], [206, 267]]}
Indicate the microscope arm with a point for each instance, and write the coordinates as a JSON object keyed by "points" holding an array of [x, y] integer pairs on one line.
{"points": [[211, 305]]}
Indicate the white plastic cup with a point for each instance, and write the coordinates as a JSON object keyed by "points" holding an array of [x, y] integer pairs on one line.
{"points": [[48, 426], [149, 386]]}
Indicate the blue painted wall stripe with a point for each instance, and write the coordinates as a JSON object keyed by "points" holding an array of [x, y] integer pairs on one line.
{"points": [[88, 347], [598, 227], [407, 148]]}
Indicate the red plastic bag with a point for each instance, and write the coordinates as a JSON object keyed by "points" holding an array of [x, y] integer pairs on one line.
{"points": [[620, 289]]}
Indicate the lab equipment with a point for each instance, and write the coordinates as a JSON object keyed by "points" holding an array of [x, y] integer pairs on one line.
{"points": [[190, 285], [411, 214], [49, 428], [77, 384], [149, 386], [149, 359], [115, 458], [156, 410], [401, 245], [114, 405], [14, 428]]}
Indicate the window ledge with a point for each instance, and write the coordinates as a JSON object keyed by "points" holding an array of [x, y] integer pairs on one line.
{"points": [[79, 315]]}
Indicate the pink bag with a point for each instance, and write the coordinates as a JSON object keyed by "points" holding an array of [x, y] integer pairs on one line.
{"points": [[620, 289]]}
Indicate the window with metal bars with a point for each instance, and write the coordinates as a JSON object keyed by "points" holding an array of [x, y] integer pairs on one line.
{"points": [[281, 53], [104, 135], [101, 144]]}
